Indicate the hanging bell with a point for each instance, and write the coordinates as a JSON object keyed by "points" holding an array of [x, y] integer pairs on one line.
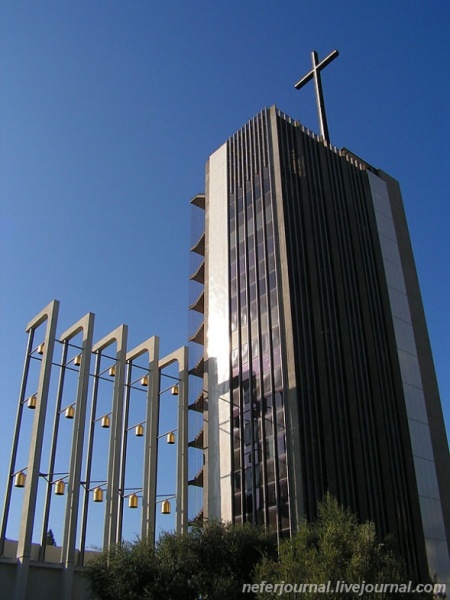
{"points": [[106, 422], [144, 381], [165, 507], [40, 348], [174, 391], [139, 431], [112, 371], [59, 487], [77, 360], [70, 412], [133, 501], [98, 494], [32, 401], [171, 438], [19, 480]]}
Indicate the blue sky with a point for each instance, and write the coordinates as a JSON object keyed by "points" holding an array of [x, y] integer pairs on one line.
{"points": [[110, 109]]}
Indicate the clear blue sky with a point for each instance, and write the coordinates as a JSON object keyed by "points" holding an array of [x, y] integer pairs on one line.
{"points": [[109, 110]]}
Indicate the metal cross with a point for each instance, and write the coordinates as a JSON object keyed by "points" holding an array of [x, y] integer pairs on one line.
{"points": [[315, 72]]}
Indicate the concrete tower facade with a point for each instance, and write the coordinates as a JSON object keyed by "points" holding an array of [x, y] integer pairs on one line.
{"points": [[318, 371]]}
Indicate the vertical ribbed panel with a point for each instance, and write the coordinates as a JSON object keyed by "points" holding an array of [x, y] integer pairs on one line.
{"points": [[260, 486], [350, 398]]}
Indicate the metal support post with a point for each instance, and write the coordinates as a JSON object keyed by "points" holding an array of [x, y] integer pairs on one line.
{"points": [[49, 314]]}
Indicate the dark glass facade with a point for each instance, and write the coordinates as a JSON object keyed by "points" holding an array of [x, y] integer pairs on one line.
{"points": [[260, 483]]}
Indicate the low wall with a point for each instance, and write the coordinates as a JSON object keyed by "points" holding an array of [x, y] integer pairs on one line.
{"points": [[45, 579]]}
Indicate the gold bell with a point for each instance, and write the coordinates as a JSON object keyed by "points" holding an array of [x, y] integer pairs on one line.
{"points": [[19, 481], [77, 360], [40, 348], [98, 494], [32, 401], [133, 501], [174, 390], [139, 431], [106, 421], [165, 507], [171, 438], [144, 381], [59, 487], [112, 371], [70, 412]]}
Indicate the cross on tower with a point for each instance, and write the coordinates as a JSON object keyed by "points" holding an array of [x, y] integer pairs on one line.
{"points": [[315, 72]]}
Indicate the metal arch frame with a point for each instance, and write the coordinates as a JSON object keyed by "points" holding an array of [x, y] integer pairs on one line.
{"points": [[119, 336], [53, 447], [23, 554], [150, 470], [150, 450], [180, 356], [86, 326], [117, 442]]}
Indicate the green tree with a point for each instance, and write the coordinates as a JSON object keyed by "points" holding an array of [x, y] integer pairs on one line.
{"points": [[224, 557], [50, 540], [209, 563], [127, 571], [336, 548]]}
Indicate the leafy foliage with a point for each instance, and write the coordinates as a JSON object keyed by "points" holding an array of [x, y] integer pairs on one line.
{"points": [[50, 540], [211, 562], [127, 572], [335, 548]]}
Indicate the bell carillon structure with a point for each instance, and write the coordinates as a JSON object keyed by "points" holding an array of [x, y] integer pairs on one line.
{"points": [[315, 370]]}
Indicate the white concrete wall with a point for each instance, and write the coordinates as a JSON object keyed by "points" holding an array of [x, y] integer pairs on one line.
{"points": [[430, 503], [217, 340]]}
